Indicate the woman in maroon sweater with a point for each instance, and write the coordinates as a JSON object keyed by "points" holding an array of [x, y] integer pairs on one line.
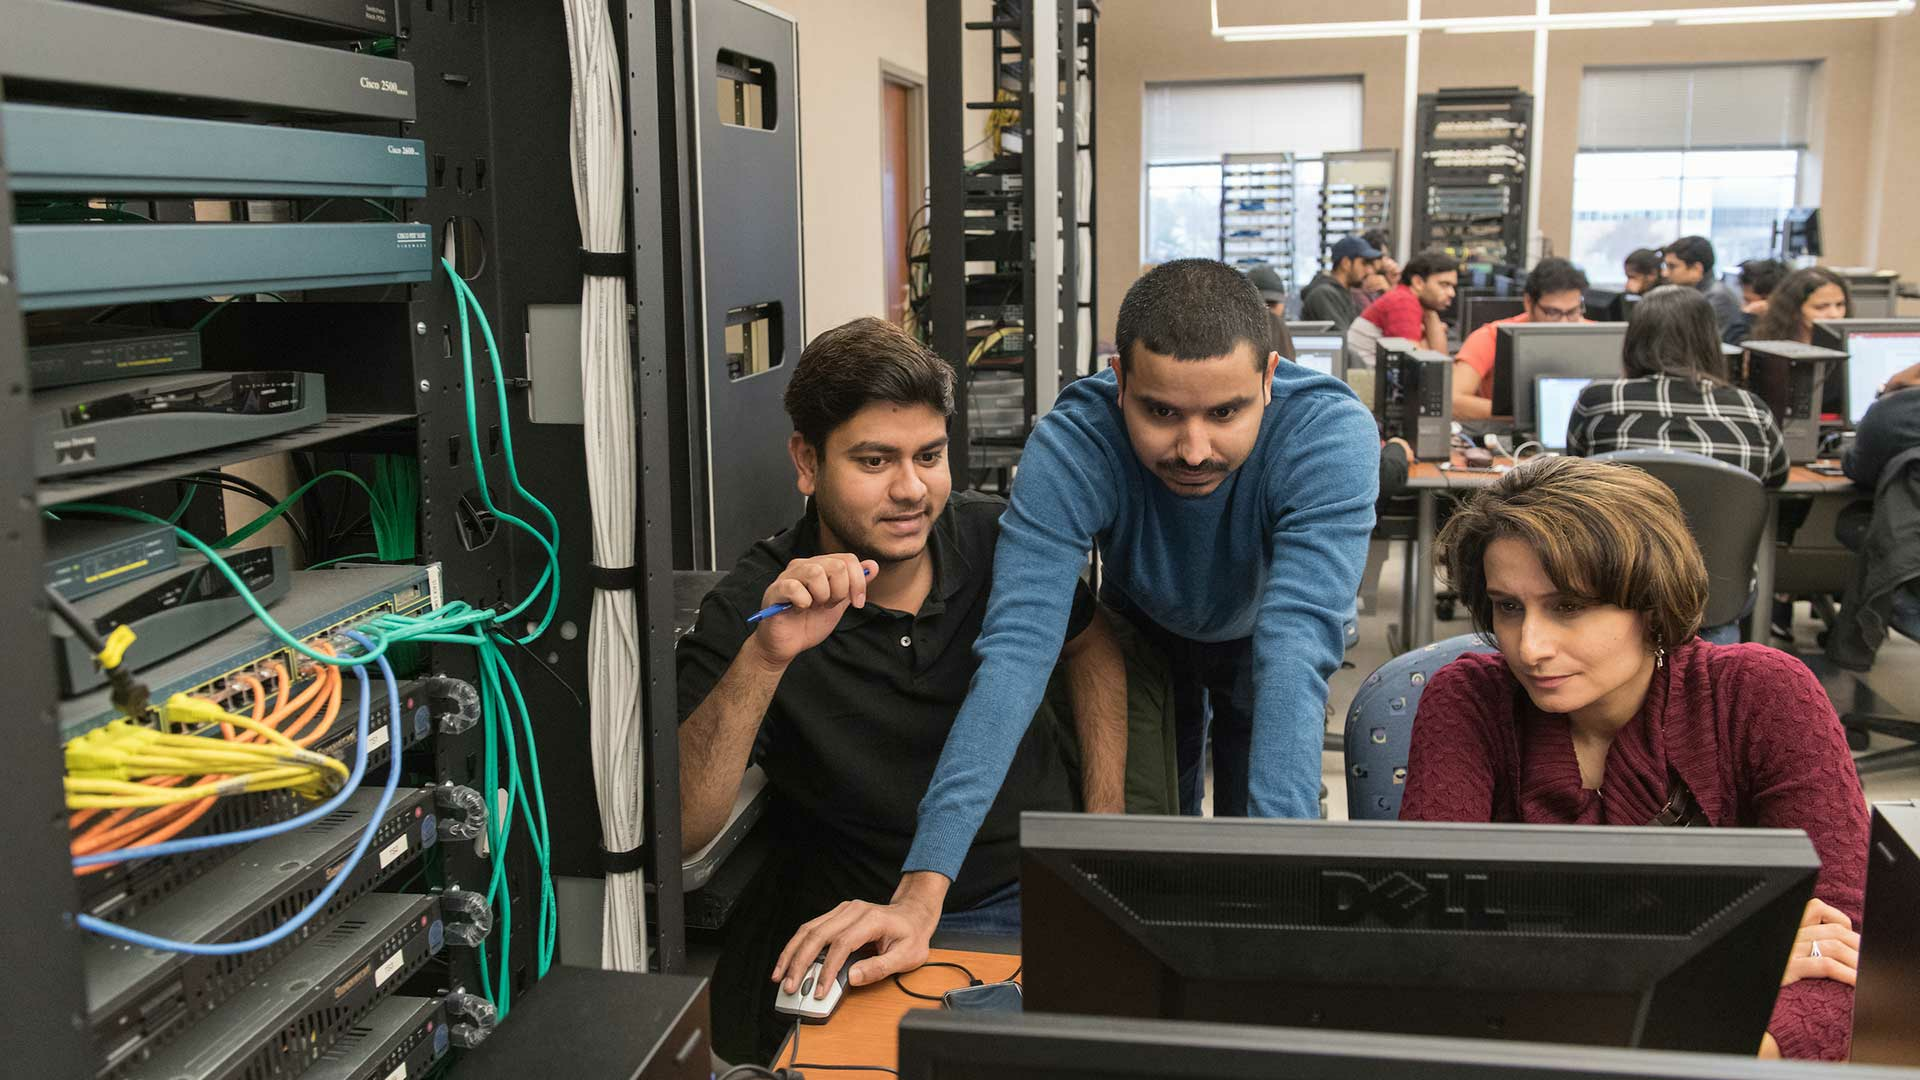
{"points": [[1604, 708]]}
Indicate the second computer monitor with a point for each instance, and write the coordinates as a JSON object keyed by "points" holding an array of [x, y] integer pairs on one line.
{"points": [[1478, 311], [1656, 938], [1876, 349], [1524, 352], [1554, 398], [1324, 353]]}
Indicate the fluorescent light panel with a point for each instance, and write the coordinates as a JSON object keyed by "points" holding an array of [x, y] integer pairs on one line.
{"points": [[1496, 24]]}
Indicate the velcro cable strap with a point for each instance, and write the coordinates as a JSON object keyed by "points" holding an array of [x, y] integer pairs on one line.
{"points": [[603, 263], [623, 862], [612, 578]]}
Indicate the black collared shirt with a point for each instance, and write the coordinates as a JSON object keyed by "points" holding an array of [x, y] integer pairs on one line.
{"points": [[851, 739]]}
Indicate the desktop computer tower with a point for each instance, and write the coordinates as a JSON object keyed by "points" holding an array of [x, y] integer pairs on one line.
{"points": [[1413, 397], [1791, 377]]}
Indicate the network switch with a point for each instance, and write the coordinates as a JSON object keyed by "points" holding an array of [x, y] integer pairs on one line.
{"points": [[54, 149], [83, 429], [320, 604], [139, 999], [295, 1011], [123, 890], [65, 266], [315, 20], [75, 45], [169, 612]]}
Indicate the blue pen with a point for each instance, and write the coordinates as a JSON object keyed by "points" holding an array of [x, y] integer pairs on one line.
{"points": [[776, 609]]}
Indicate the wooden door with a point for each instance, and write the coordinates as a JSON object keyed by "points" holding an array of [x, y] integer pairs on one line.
{"points": [[896, 193]]}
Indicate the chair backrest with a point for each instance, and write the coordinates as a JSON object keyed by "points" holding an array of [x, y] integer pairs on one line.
{"points": [[1380, 725], [1726, 508]]}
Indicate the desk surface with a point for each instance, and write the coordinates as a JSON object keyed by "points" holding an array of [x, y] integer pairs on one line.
{"points": [[864, 1030], [1428, 475]]}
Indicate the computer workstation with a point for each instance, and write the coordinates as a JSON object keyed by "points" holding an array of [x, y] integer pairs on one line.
{"points": [[1875, 350], [1525, 353], [1325, 353]]}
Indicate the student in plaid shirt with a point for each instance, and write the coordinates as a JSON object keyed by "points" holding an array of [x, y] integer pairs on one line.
{"points": [[1677, 395]]}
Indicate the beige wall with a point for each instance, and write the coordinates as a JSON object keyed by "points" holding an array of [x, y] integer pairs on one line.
{"points": [[1867, 154], [845, 47]]}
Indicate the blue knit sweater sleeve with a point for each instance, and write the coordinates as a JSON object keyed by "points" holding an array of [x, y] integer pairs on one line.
{"points": [[1320, 497], [1067, 491]]}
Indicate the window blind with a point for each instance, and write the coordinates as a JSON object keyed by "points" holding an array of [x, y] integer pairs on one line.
{"points": [[1731, 107], [1201, 121]]}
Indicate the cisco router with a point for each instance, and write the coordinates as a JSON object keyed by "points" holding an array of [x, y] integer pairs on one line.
{"points": [[91, 352], [169, 612], [85, 557], [82, 429]]}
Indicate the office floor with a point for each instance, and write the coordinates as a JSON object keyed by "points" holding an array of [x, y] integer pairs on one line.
{"points": [[1895, 677]]}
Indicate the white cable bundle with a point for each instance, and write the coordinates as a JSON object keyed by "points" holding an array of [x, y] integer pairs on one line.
{"points": [[598, 153]]}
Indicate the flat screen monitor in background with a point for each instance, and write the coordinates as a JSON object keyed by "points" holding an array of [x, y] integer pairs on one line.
{"points": [[1322, 353], [1554, 398], [1666, 939], [1800, 232], [1889, 981], [1872, 359], [939, 1045], [1317, 326], [1478, 311], [1524, 352], [1839, 395]]}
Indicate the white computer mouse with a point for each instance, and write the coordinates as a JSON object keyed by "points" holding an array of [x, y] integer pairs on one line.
{"points": [[803, 1004]]}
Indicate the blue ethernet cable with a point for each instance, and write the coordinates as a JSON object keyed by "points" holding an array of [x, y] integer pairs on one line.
{"points": [[279, 933]]}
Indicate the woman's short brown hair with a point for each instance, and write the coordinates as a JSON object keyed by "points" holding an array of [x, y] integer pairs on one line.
{"points": [[1605, 532]]}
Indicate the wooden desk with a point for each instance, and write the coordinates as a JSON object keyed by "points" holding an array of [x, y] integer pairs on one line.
{"points": [[1426, 479], [864, 1030]]}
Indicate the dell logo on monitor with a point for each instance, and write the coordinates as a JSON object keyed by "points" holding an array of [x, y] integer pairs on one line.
{"points": [[1437, 901]]}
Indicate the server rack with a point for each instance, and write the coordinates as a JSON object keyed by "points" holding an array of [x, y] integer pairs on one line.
{"points": [[1013, 330], [1471, 176], [1256, 211], [497, 200], [1356, 196]]}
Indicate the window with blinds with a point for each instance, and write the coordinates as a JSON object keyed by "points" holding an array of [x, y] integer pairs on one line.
{"points": [[1190, 125], [1665, 152]]}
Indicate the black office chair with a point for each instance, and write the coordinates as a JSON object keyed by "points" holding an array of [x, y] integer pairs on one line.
{"points": [[1735, 503], [1875, 603]]}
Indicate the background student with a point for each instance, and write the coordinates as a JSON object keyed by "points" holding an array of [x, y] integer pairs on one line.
{"points": [[1409, 310], [1602, 707], [1677, 394], [1689, 261], [1643, 270], [1758, 279], [1329, 296], [1555, 292]]}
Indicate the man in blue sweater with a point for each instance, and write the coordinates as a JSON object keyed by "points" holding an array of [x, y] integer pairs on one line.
{"points": [[1230, 496]]}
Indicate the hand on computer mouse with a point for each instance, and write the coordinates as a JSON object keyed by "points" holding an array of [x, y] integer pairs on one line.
{"points": [[900, 932]]}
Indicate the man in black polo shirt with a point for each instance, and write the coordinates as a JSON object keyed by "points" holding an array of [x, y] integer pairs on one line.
{"points": [[846, 699]]}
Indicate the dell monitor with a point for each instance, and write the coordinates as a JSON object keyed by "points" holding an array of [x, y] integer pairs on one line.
{"points": [[941, 1045], [1888, 983], [1799, 233], [1524, 352], [1875, 348], [1554, 398], [1324, 353], [1644, 937]]}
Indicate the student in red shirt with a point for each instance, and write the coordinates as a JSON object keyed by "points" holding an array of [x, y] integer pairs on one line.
{"points": [[1409, 310], [1603, 707], [1556, 292]]}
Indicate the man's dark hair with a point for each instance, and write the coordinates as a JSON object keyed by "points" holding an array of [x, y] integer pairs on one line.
{"points": [[858, 363], [1643, 261], [1552, 275], [1426, 264], [1762, 275], [1379, 239], [1673, 332], [1193, 309], [1693, 249]]}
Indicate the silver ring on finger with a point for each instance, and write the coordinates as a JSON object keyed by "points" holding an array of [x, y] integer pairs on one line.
{"points": [[1813, 953]]}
